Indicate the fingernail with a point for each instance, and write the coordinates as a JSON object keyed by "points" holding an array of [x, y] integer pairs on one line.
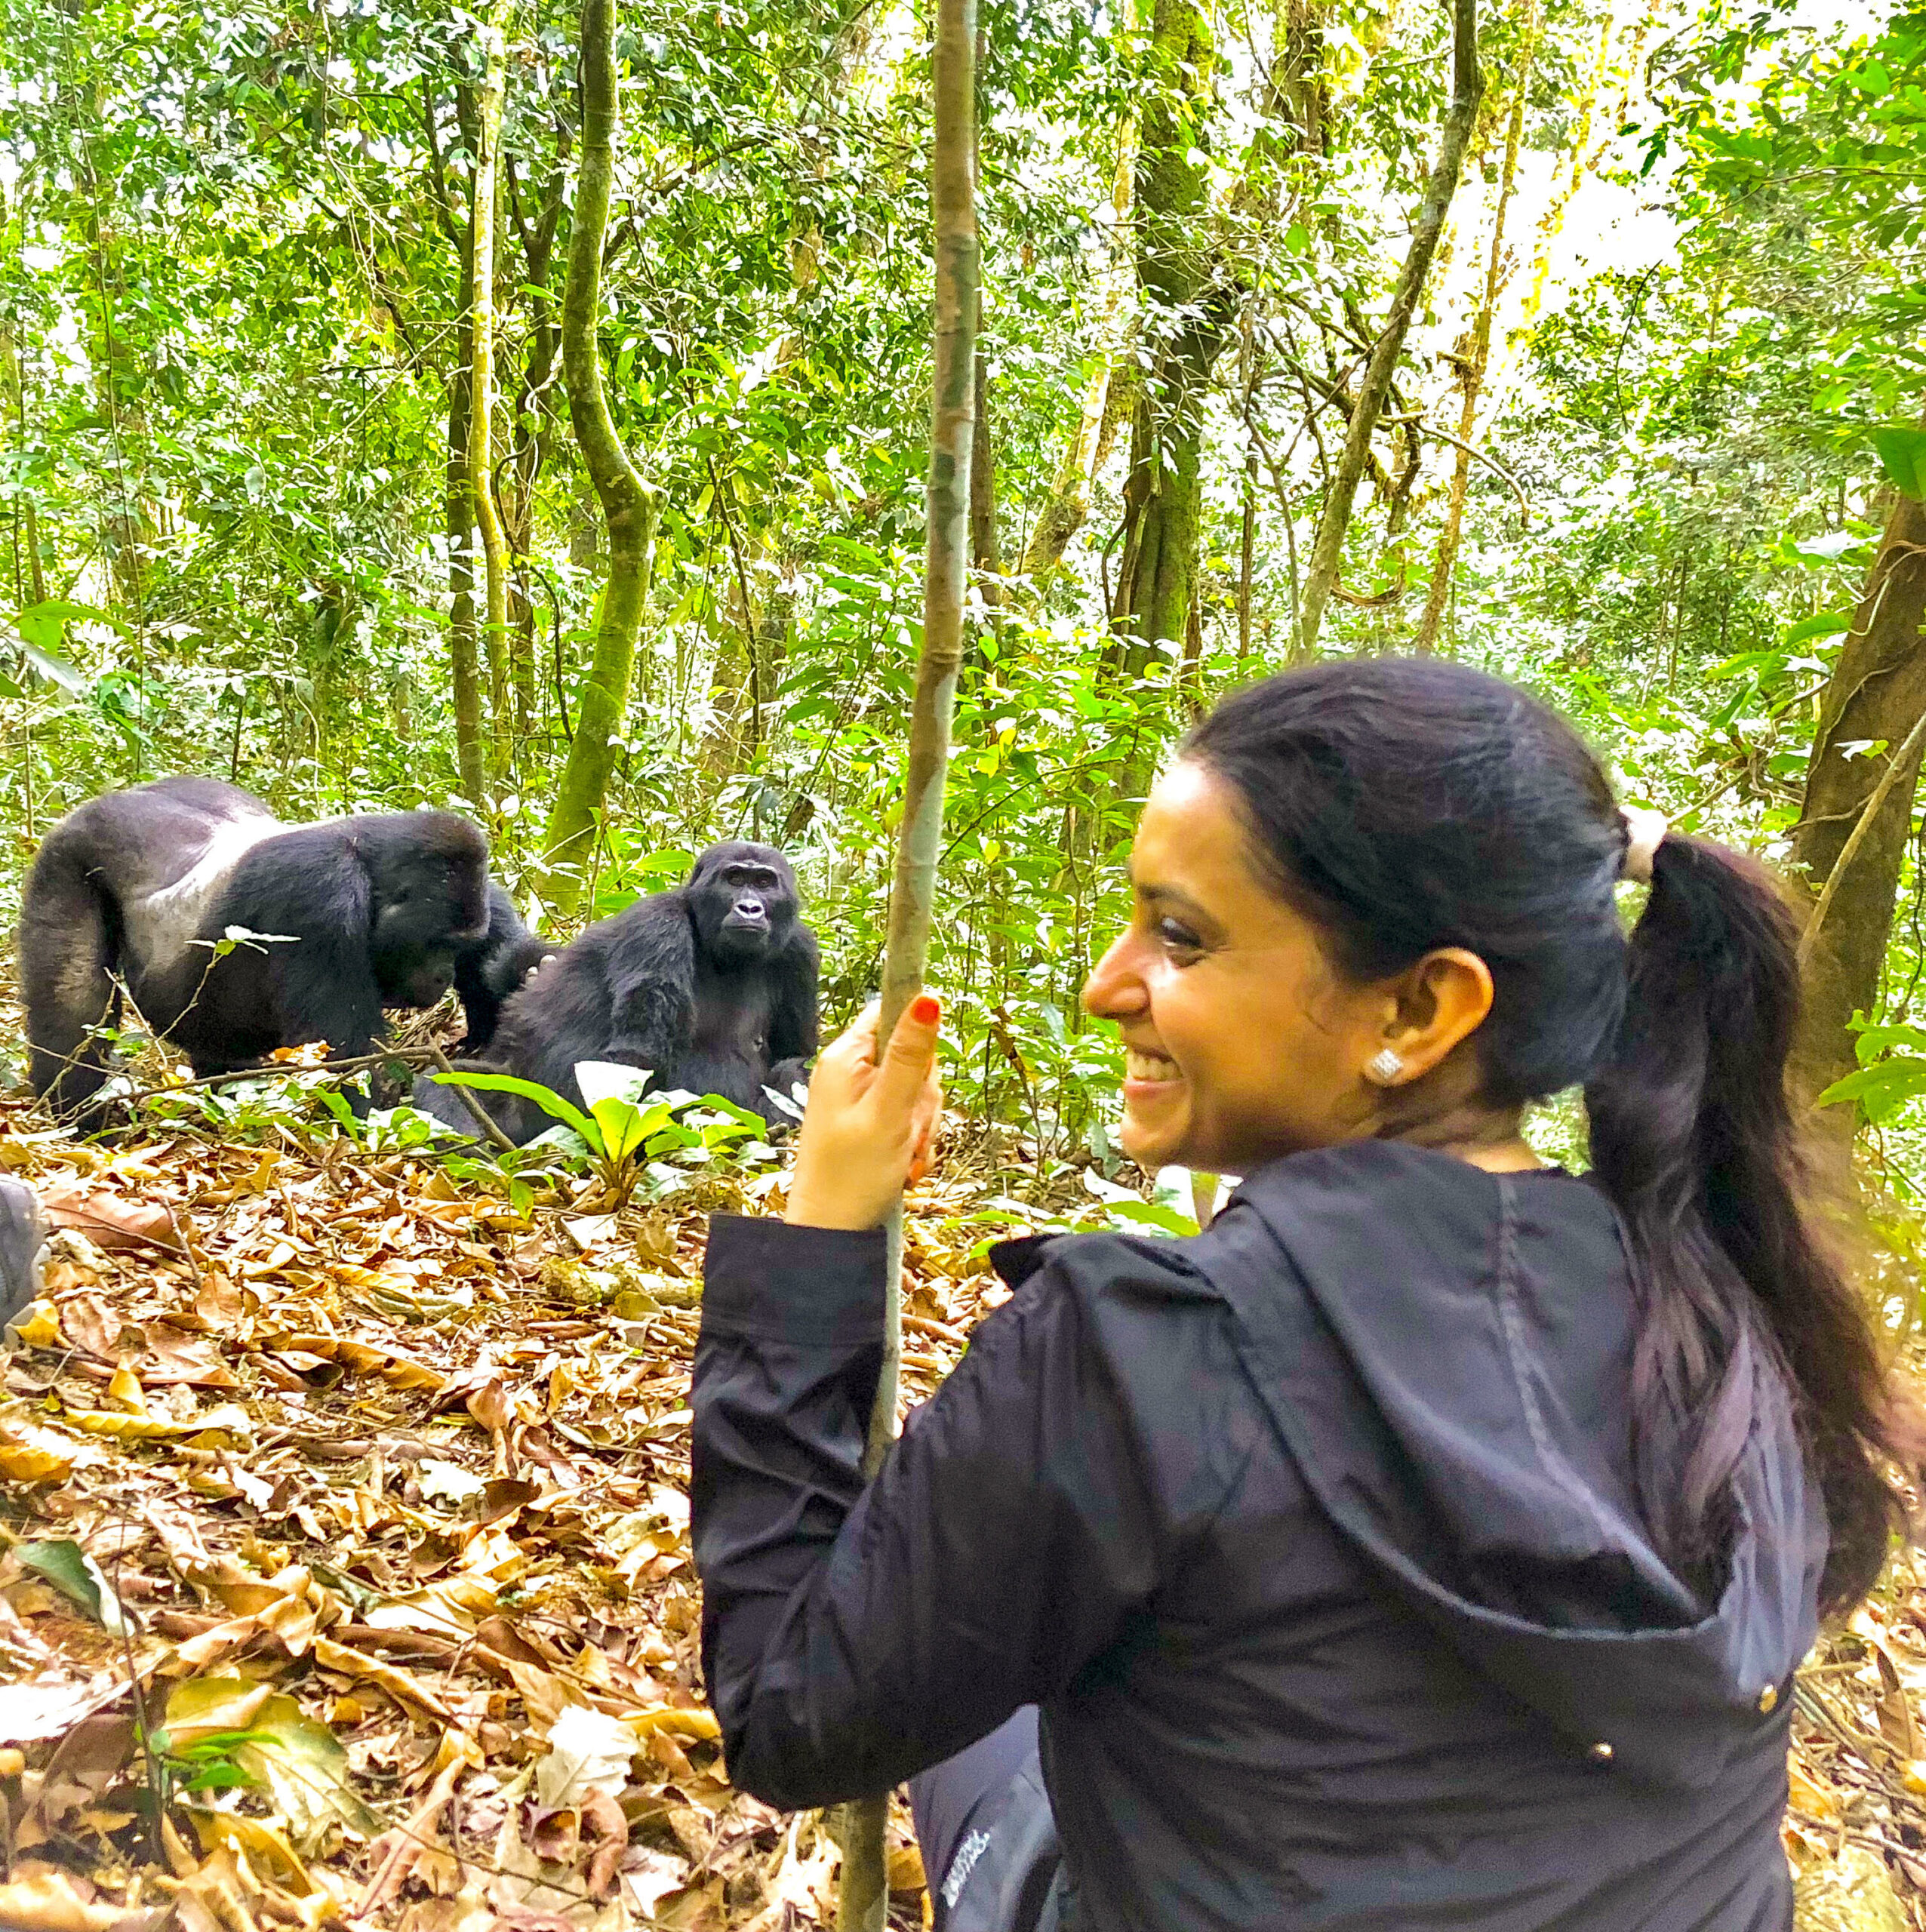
{"points": [[926, 1011]]}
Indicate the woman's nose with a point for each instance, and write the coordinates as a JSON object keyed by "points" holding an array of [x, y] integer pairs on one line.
{"points": [[1115, 989]]}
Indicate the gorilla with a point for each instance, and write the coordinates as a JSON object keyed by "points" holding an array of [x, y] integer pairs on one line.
{"points": [[488, 972], [136, 887], [711, 986]]}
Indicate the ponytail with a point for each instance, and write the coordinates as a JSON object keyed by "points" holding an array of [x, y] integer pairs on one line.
{"points": [[1695, 1141]]}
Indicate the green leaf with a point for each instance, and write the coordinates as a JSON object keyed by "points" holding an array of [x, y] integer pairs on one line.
{"points": [[1823, 623], [1902, 457], [76, 1575], [1153, 1214], [1870, 1042], [550, 1101], [45, 625], [1881, 1089], [614, 1092], [304, 1769]]}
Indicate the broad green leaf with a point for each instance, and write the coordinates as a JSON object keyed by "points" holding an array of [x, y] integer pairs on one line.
{"points": [[625, 1127], [1902, 457], [614, 1092], [611, 1079], [1881, 1089], [1869, 1042], [76, 1575], [1827, 549], [1765, 667], [1823, 623], [1153, 1214], [45, 625], [550, 1101]]}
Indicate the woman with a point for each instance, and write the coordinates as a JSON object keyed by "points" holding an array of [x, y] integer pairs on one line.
{"points": [[1432, 1541]]}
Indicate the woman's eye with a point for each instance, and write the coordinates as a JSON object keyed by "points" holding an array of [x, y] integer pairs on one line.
{"points": [[1176, 938]]}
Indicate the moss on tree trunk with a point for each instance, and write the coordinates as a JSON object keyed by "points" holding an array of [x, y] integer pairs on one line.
{"points": [[629, 504]]}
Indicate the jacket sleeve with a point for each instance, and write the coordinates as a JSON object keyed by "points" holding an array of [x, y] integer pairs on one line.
{"points": [[852, 1636]]}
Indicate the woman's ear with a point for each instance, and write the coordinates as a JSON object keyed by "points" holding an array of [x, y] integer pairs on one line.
{"points": [[1439, 1001]]}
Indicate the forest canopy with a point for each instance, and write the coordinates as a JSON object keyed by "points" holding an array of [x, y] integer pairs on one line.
{"points": [[1657, 402]]}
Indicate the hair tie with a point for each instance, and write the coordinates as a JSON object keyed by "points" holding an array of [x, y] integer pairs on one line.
{"points": [[1645, 832]]}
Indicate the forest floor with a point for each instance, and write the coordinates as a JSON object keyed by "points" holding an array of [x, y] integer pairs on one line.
{"points": [[347, 1576]]}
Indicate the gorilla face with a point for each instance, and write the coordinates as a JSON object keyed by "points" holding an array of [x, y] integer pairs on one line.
{"points": [[744, 898], [415, 979], [429, 905]]}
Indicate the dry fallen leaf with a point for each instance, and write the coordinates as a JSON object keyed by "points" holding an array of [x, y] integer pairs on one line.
{"points": [[108, 1219], [50, 1901]]}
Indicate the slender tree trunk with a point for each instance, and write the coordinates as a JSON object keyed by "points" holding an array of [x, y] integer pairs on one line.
{"points": [[1477, 359], [629, 504], [29, 568], [985, 553], [863, 1898], [1247, 552], [458, 502], [1068, 503], [1327, 548], [1877, 694], [534, 416], [1186, 313], [482, 208], [471, 747]]}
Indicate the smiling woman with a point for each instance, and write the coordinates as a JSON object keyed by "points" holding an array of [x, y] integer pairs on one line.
{"points": [[1242, 1041], [1431, 1541]]}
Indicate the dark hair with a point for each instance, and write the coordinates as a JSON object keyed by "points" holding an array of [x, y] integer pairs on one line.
{"points": [[1407, 803]]}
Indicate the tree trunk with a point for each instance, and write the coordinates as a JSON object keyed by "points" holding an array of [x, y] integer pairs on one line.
{"points": [[985, 553], [534, 416], [482, 387], [863, 1898], [629, 504], [1471, 372], [1187, 316], [1877, 693], [471, 749], [1068, 503], [1327, 548]]}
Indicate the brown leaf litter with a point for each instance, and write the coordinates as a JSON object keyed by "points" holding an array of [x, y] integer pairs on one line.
{"points": [[346, 1576]]}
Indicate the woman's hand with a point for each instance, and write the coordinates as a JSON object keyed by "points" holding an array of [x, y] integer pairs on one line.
{"points": [[867, 1131]]}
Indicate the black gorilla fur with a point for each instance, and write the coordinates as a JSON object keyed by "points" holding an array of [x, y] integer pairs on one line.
{"points": [[711, 986], [488, 974], [373, 911]]}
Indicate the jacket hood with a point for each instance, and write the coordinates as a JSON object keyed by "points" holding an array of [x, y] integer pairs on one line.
{"points": [[1447, 1354]]}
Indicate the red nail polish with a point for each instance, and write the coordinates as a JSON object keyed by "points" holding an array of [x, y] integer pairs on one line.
{"points": [[926, 1011]]}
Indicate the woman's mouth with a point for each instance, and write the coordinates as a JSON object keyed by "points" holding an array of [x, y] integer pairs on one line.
{"points": [[1143, 1068]]}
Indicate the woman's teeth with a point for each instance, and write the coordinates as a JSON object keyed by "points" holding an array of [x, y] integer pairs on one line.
{"points": [[1139, 1065]]}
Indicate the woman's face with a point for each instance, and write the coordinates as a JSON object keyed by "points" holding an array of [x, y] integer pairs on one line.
{"points": [[1244, 1042]]}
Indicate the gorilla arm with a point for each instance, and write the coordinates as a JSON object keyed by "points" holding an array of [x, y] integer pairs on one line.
{"points": [[311, 888], [793, 1025], [652, 977], [490, 973]]}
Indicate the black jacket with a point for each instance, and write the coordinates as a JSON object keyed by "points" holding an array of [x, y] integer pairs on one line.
{"points": [[1314, 1537]]}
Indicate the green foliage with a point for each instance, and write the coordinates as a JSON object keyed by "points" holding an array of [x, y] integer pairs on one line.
{"points": [[230, 286], [626, 1129]]}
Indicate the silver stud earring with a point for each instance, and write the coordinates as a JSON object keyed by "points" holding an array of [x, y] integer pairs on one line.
{"points": [[1384, 1067]]}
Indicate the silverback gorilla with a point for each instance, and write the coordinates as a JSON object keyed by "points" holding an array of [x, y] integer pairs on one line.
{"points": [[373, 911], [711, 986]]}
